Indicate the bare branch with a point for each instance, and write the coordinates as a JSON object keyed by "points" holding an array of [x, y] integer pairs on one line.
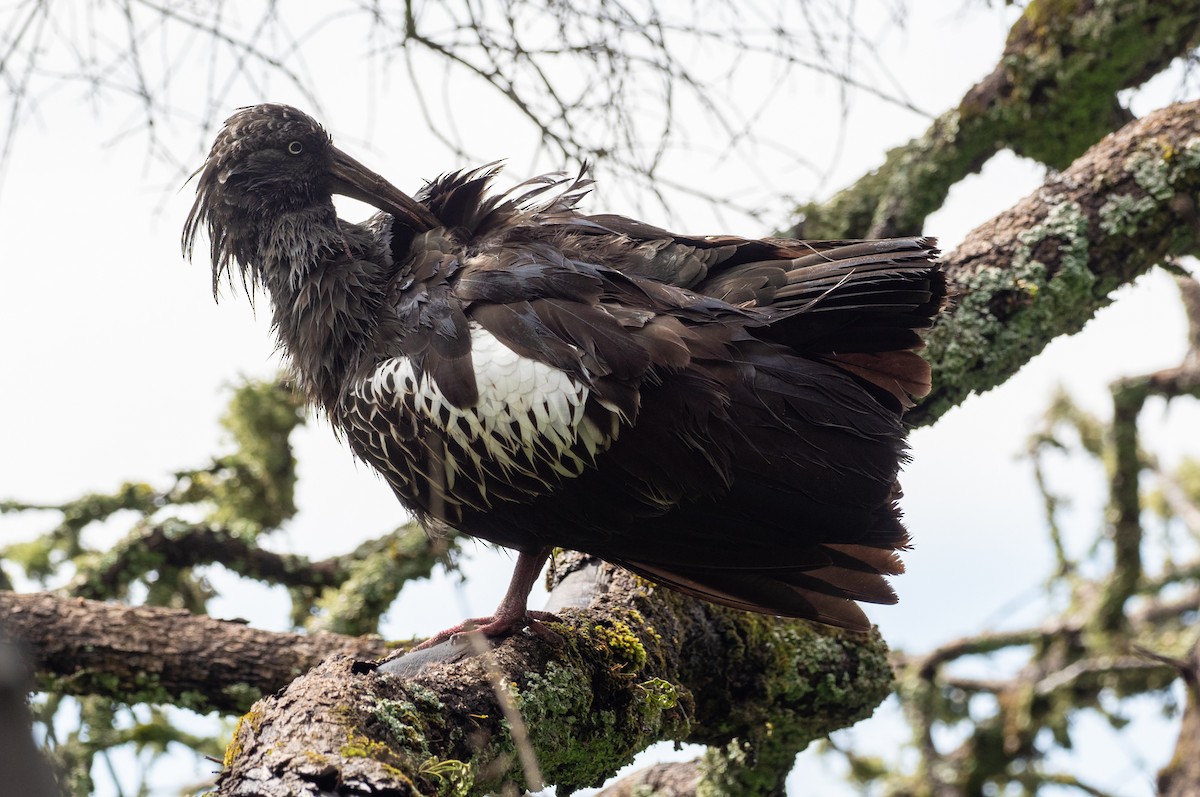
{"points": [[154, 655]]}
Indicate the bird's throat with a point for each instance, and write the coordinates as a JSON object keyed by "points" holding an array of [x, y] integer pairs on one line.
{"points": [[325, 297]]}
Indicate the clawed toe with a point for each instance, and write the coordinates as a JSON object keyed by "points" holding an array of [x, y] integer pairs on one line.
{"points": [[498, 626]]}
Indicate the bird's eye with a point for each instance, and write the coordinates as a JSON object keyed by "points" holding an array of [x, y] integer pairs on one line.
{"points": [[295, 148]]}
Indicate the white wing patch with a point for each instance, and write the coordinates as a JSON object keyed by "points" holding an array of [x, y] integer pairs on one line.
{"points": [[529, 418]]}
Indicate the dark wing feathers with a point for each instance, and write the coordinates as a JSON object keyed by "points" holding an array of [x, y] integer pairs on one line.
{"points": [[520, 327], [824, 298], [760, 385]]}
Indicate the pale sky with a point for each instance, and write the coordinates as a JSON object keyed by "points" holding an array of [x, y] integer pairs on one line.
{"points": [[116, 362]]}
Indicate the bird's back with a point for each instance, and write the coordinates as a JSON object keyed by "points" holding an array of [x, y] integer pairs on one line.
{"points": [[721, 415]]}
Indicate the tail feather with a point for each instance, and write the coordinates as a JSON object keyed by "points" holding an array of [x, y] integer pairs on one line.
{"points": [[755, 592], [859, 307]]}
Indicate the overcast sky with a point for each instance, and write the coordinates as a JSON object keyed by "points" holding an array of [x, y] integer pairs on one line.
{"points": [[116, 362]]}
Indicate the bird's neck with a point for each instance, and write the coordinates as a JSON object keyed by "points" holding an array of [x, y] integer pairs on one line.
{"points": [[325, 290]]}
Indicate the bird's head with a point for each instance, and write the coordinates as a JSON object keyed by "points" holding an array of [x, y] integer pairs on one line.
{"points": [[269, 161]]}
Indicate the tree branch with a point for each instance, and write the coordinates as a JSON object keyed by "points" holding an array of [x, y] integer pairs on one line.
{"points": [[672, 779], [1125, 501], [176, 544], [1180, 776], [153, 655], [1052, 95], [1043, 268], [638, 665]]}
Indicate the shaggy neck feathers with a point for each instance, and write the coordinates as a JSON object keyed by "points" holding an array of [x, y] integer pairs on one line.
{"points": [[325, 295]]}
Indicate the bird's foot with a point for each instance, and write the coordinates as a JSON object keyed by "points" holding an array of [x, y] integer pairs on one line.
{"points": [[498, 625]]}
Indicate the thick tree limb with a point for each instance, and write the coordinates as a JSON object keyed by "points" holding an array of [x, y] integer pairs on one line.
{"points": [[1181, 776], [153, 655], [1052, 95], [1043, 268], [674, 779], [637, 665]]}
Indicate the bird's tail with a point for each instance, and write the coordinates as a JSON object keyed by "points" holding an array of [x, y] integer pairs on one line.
{"points": [[861, 306]]}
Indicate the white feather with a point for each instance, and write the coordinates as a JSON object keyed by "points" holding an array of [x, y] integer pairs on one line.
{"points": [[527, 412]]}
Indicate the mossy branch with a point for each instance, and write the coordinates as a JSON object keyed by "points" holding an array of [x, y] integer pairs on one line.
{"points": [[372, 577], [1052, 95], [1043, 268], [1125, 505], [1099, 646], [637, 665], [145, 654], [1129, 396], [176, 544], [1181, 774], [344, 594]]}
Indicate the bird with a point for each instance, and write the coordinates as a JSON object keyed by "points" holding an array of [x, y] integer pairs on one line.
{"points": [[720, 415]]}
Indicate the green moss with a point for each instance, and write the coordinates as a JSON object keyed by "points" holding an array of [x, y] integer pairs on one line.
{"points": [[660, 694], [396, 733], [577, 743], [813, 681], [406, 721], [1064, 63], [1156, 166], [254, 488], [1003, 314], [618, 640], [242, 694], [41, 557], [126, 687], [835, 677], [375, 578], [402, 721], [1187, 478], [360, 746], [1042, 17], [250, 719], [235, 746], [1059, 273], [849, 213], [1122, 214], [454, 778], [557, 708]]}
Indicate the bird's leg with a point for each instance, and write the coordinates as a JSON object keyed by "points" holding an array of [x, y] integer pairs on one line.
{"points": [[513, 611]]}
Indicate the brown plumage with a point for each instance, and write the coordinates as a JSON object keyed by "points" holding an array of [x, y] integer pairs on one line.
{"points": [[721, 415]]}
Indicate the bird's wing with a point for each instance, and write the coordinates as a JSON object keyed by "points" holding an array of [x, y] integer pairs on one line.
{"points": [[857, 304], [759, 471], [719, 414], [507, 370]]}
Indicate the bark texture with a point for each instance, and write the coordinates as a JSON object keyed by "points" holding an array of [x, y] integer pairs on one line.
{"points": [[637, 665], [1043, 268], [1181, 777], [145, 654]]}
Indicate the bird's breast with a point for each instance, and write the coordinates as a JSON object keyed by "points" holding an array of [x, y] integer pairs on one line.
{"points": [[532, 426]]}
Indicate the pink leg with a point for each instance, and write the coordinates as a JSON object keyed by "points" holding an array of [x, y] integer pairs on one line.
{"points": [[513, 611]]}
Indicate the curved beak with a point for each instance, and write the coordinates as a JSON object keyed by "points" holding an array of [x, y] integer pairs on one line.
{"points": [[350, 178]]}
